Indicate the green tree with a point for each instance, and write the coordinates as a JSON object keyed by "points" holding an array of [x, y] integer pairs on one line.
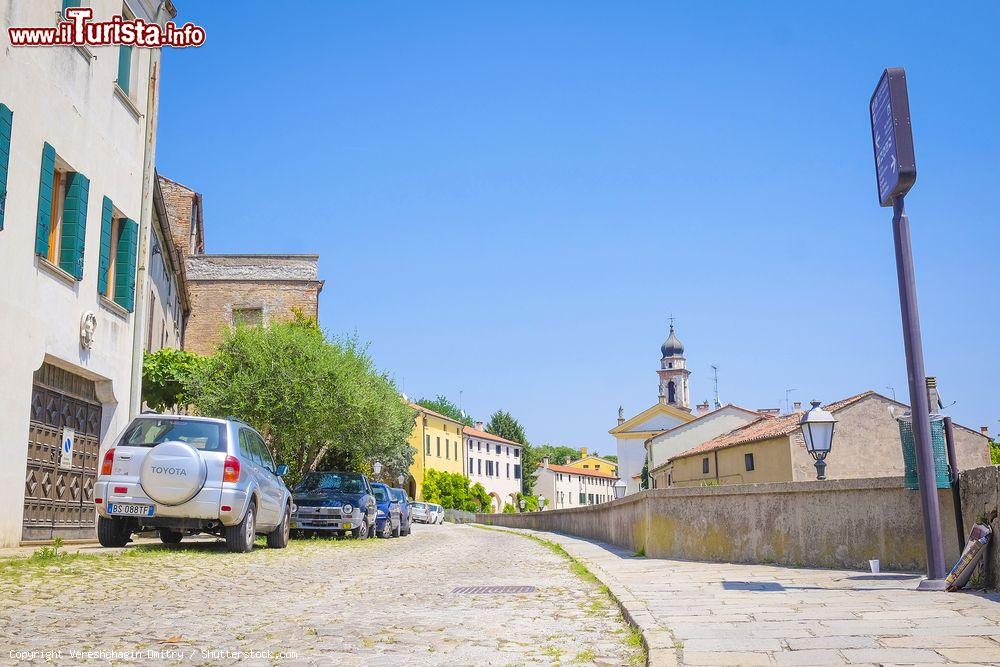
{"points": [[503, 424], [166, 377], [319, 403], [995, 452], [444, 406]]}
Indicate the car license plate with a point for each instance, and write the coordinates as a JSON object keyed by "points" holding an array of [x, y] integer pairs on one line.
{"points": [[130, 509], [347, 526]]}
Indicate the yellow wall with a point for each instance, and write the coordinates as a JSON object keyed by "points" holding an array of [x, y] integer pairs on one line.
{"points": [[437, 442], [594, 463], [772, 463]]}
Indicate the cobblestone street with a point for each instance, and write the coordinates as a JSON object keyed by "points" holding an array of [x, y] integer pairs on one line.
{"points": [[385, 602]]}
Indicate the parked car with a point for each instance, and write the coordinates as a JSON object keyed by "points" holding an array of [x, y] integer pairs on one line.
{"points": [[184, 475], [388, 517], [420, 512], [437, 515], [335, 502], [405, 510]]}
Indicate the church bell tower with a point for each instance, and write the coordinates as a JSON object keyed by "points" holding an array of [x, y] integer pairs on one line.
{"points": [[673, 372]]}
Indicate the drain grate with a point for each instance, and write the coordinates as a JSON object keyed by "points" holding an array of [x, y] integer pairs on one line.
{"points": [[493, 590]]}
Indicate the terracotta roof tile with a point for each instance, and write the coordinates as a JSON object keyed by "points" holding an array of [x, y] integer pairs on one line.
{"points": [[766, 427], [486, 435]]}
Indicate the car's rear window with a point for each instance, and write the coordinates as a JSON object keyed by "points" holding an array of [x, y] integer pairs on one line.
{"points": [[344, 482], [398, 494], [203, 435], [420, 505], [381, 493]]}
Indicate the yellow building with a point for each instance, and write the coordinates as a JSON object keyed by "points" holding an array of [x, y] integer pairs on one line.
{"points": [[593, 462], [771, 449], [437, 443]]}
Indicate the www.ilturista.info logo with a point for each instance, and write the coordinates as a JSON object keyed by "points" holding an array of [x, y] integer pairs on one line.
{"points": [[78, 30]]}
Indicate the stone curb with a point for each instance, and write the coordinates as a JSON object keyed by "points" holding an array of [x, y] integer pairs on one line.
{"points": [[657, 639]]}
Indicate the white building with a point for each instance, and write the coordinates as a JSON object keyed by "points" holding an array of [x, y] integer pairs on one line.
{"points": [[564, 487], [495, 463], [671, 409], [77, 140], [167, 299], [707, 425]]}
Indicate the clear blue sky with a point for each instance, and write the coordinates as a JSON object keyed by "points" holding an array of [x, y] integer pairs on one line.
{"points": [[510, 198]]}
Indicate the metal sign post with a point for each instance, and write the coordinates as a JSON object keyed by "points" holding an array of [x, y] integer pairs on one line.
{"points": [[896, 171]]}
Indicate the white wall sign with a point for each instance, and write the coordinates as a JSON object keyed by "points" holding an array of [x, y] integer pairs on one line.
{"points": [[66, 455]]}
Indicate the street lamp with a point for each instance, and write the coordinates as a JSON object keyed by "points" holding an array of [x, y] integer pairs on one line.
{"points": [[401, 479], [523, 503], [817, 430], [377, 468], [541, 503], [619, 488]]}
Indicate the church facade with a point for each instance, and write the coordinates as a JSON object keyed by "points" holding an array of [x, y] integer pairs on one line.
{"points": [[672, 408]]}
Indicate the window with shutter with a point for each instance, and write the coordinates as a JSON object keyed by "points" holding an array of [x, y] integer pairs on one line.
{"points": [[105, 258], [125, 265], [6, 123], [74, 224], [46, 183]]}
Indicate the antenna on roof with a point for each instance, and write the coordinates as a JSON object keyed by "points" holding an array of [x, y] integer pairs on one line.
{"points": [[715, 373]]}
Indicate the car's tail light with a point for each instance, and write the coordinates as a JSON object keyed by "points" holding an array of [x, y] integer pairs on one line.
{"points": [[227, 508], [231, 472], [109, 458], [98, 500], [121, 489]]}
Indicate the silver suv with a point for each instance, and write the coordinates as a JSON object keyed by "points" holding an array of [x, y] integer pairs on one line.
{"points": [[177, 474]]}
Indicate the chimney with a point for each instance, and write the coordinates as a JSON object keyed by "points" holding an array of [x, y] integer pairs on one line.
{"points": [[985, 430], [479, 426], [583, 452], [797, 406], [771, 412], [545, 462], [702, 408], [933, 397]]}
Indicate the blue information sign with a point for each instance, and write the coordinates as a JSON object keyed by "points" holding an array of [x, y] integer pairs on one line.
{"points": [[892, 137]]}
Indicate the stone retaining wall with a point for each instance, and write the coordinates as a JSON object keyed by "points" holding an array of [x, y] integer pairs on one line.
{"points": [[831, 524]]}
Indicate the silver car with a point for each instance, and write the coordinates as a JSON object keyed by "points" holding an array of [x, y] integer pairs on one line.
{"points": [[420, 512], [184, 475]]}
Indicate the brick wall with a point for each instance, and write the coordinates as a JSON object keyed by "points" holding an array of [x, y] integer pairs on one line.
{"points": [[218, 284], [180, 204]]}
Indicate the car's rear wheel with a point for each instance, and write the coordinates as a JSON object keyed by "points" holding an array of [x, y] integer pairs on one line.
{"points": [[240, 538], [386, 528], [168, 536], [113, 532], [278, 538]]}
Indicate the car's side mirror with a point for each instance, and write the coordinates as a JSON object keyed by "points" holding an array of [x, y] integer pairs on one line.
{"points": [[282, 470]]}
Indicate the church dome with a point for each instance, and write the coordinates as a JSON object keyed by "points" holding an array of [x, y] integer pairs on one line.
{"points": [[672, 347]]}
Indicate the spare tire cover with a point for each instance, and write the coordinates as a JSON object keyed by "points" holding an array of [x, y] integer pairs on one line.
{"points": [[172, 473]]}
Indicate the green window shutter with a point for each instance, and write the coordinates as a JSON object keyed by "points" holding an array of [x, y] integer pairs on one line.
{"points": [[104, 259], [45, 182], [74, 224], [124, 67], [125, 265], [69, 3], [6, 122]]}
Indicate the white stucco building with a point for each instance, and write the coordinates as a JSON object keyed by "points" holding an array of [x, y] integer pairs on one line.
{"points": [[77, 139], [167, 299], [707, 425], [563, 486], [671, 409], [495, 463]]}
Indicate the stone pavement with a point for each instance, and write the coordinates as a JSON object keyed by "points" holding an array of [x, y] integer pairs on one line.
{"points": [[694, 613], [323, 602]]}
